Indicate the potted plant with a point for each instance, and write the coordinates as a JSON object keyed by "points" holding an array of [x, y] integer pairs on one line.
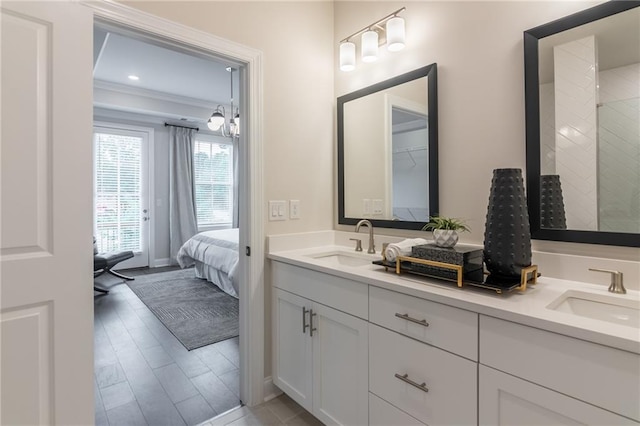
{"points": [[445, 230]]}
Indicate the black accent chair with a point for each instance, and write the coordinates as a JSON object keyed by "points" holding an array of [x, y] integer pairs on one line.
{"points": [[104, 262]]}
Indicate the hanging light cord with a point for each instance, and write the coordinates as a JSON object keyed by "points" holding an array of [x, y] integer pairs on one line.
{"points": [[375, 24]]}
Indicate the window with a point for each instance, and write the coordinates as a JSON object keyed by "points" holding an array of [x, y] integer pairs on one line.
{"points": [[213, 175]]}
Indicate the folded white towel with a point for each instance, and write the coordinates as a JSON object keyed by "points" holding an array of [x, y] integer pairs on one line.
{"points": [[403, 248]]}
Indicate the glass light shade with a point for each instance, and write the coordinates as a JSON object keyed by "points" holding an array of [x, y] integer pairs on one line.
{"points": [[347, 56], [395, 34], [236, 119], [215, 121], [369, 46]]}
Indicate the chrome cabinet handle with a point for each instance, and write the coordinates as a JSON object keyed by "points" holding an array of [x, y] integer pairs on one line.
{"points": [[304, 320], [405, 378], [408, 318], [312, 328]]}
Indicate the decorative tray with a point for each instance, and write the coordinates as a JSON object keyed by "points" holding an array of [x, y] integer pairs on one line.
{"points": [[478, 278]]}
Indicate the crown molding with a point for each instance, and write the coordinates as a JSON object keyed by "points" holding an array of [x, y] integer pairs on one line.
{"points": [[153, 94]]}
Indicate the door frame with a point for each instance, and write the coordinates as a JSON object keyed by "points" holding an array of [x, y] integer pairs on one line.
{"points": [[150, 175], [252, 380]]}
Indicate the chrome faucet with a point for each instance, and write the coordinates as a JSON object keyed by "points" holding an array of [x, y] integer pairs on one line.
{"points": [[616, 285], [372, 247]]}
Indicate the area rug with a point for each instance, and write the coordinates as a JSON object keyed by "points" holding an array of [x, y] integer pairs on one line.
{"points": [[197, 312]]}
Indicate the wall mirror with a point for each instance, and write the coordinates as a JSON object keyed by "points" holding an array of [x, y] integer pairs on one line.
{"points": [[582, 101], [388, 152]]}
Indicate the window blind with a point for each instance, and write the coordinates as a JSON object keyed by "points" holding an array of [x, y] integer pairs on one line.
{"points": [[213, 179]]}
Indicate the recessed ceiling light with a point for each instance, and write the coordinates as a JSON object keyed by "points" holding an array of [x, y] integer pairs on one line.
{"points": [[134, 77]]}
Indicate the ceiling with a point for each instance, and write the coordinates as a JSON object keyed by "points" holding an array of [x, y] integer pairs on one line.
{"points": [[162, 70]]}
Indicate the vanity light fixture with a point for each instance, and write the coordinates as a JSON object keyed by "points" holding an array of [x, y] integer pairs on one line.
{"points": [[389, 30]]}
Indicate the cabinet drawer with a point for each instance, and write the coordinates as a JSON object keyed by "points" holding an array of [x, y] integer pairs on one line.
{"points": [[600, 375], [381, 413], [450, 396], [449, 328], [339, 293]]}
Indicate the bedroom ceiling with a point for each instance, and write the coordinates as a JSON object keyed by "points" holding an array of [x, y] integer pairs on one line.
{"points": [[161, 70]]}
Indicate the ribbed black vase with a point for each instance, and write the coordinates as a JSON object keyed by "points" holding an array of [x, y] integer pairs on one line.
{"points": [[507, 237], [552, 215]]}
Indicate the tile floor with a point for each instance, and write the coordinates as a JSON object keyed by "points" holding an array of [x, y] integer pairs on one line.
{"points": [[277, 412], [143, 374]]}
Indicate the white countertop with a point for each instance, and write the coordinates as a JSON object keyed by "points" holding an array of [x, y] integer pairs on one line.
{"points": [[528, 307]]}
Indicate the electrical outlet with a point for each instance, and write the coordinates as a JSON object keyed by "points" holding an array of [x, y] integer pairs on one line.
{"points": [[294, 209], [377, 206]]}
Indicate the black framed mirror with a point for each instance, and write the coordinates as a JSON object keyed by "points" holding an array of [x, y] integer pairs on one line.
{"points": [[582, 95], [388, 152]]}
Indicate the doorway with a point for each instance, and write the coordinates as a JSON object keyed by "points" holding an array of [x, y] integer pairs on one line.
{"points": [[121, 191], [189, 386]]}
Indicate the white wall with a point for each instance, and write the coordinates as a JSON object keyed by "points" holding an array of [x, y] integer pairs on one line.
{"points": [[479, 51]]}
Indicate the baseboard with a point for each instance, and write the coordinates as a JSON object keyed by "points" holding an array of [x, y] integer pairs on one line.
{"points": [[159, 263], [270, 390]]}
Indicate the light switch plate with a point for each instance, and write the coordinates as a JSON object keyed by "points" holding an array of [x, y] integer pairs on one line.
{"points": [[366, 206], [277, 210]]}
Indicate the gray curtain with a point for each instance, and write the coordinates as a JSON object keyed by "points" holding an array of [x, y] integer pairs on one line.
{"points": [[236, 155], [182, 201]]}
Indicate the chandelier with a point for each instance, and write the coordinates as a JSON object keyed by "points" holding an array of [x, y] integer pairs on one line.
{"points": [[218, 120]]}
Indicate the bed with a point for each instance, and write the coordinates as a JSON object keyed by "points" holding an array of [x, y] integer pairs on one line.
{"points": [[215, 256]]}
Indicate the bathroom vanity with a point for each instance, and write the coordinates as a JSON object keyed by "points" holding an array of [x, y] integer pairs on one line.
{"points": [[356, 345]]}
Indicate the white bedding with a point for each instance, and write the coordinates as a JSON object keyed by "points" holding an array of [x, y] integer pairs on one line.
{"points": [[217, 250]]}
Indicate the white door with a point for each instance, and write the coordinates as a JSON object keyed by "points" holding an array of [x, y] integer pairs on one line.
{"points": [[293, 362], [46, 284], [121, 192], [508, 400], [340, 367]]}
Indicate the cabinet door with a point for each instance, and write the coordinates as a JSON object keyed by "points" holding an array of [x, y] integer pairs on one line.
{"points": [[340, 367], [292, 347], [508, 400]]}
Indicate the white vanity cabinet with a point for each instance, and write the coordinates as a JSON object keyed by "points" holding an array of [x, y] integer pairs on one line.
{"points": [[533, 376], [321, 353], [382, 357]]}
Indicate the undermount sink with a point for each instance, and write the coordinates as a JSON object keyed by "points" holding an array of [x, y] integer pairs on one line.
{"points": [[342, 258], [617, 310]]}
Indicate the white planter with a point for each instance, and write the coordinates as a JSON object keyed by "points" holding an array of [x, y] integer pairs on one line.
{"points": [[445, 237]]}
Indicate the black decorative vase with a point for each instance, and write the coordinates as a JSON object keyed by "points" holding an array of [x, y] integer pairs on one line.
{"points": [[507, 236], [552, 215]]}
